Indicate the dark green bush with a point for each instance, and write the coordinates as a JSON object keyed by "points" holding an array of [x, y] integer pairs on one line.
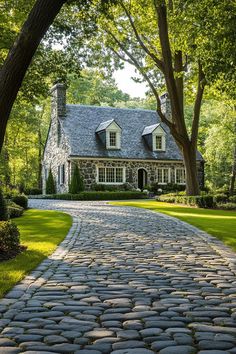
{"points": [[221, 198], [9, 237], [21, 200], [50, 184], [232, 199], [227, 206], [77, 183], [14, 210], [201, 201], [3, 208], [98, 196], [33, 191]]}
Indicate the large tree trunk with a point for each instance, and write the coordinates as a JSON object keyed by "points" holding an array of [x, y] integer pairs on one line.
{"points": [[20, 55], [192, 184]]}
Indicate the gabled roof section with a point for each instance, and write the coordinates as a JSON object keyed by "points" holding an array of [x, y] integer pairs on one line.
{"points": [[82, 122], [151, 128], [104, 125]]}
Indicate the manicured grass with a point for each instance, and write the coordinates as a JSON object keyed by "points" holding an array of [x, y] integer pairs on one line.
{"points": [[41, 231], [219, 223]]}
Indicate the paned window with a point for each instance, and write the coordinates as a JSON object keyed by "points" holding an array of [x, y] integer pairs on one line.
{"points": [[111, 175], [180, 177], [112, 139], [61, 174], [163, 175], [158, 142]]}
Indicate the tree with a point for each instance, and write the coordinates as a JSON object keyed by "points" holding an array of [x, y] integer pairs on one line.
{"points": [[3, 208], [167, 50], [20, 55], [50, 184], [77, 184]]}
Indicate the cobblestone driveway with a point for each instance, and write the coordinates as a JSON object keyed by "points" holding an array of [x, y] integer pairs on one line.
{"points": [[124, 281]]}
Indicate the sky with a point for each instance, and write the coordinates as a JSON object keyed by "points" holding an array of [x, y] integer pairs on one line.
{"points": [[126, 84]]}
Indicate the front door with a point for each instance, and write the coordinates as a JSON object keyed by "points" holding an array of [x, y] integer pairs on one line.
{"points": [[142, 178]]}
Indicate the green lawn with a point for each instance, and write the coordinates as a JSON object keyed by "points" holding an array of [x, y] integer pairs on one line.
{"points": [[41, 231], [219, 223]]}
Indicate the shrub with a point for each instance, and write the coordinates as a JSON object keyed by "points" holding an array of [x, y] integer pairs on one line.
{"points": [[227, 206], [10, 192], [21, 200], [50, 184], [33, 191], [232, 199], [98, 196], [202, 201], [14, 210], [3, 207], [9, 237], [77, 183], [221, 198]]}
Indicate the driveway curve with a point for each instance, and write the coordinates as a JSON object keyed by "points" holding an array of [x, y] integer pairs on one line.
{"points": [[124, 281]]}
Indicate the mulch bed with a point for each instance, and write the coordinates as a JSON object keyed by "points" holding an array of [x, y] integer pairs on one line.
{"points": [[5, 256]]}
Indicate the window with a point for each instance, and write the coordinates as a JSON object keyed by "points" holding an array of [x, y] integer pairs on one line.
{"points": [[163, 175], [46, 173], [159, 142], [111, 175], [112, 139], [61, 174], [180, 176]]}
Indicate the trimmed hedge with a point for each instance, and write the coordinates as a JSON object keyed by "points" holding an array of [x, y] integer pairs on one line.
{"points": [[33, 191], [9, 237], [21, 200], [98, 196], [227, 206], [14, 210], [201, 201]]}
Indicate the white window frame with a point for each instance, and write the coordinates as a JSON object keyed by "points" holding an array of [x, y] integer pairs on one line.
{"points": [[111, 183], [182, 169], [162, 179], [163, 142], [113, 128]]}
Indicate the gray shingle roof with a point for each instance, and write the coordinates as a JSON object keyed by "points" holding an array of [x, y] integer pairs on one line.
{"points": [[150, 129], [81, 123], [104, 125]]}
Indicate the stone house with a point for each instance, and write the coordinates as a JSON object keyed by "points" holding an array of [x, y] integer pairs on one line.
{"points": [[111, 146]]}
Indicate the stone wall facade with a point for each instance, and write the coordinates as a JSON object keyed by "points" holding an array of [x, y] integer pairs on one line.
{"points": [[89, 170]]}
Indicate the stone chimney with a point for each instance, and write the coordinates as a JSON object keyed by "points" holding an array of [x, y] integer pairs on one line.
{"points": [[58, 101], [165, 105]]}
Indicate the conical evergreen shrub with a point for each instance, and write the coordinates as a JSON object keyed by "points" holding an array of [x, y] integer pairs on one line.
{"points": [[3, 208], [77, 183], [50, 184]]}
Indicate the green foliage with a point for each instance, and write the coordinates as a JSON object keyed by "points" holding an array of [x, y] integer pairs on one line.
{"points": [[111, 188], [21, 200], [98, 196], [14, 210], [227, 206], [221, 198], [201, 201], [33, 191], [9, 237], [50, 184], [77, 183], [232, 199], [3, 208]]}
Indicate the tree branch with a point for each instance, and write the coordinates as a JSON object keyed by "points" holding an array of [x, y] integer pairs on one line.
{"points": [[197, 104], [156, 60]]}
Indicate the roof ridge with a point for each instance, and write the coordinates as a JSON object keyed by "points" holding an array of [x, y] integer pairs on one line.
{"points": [[108, 107]]}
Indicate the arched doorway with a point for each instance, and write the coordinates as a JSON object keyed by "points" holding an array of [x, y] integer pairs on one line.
{"points": [[142, 178]]}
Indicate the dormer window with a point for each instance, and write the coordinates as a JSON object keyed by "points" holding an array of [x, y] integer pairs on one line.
{"points": [[112, 139], [155, 137], [159, 142], [109, 133]]}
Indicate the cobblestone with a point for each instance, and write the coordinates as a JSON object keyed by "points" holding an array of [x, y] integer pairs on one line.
{"points": [[124, 281]]}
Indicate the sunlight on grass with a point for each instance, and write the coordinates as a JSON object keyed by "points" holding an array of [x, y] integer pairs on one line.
{"points": [[41, 231], [219, 223]]}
